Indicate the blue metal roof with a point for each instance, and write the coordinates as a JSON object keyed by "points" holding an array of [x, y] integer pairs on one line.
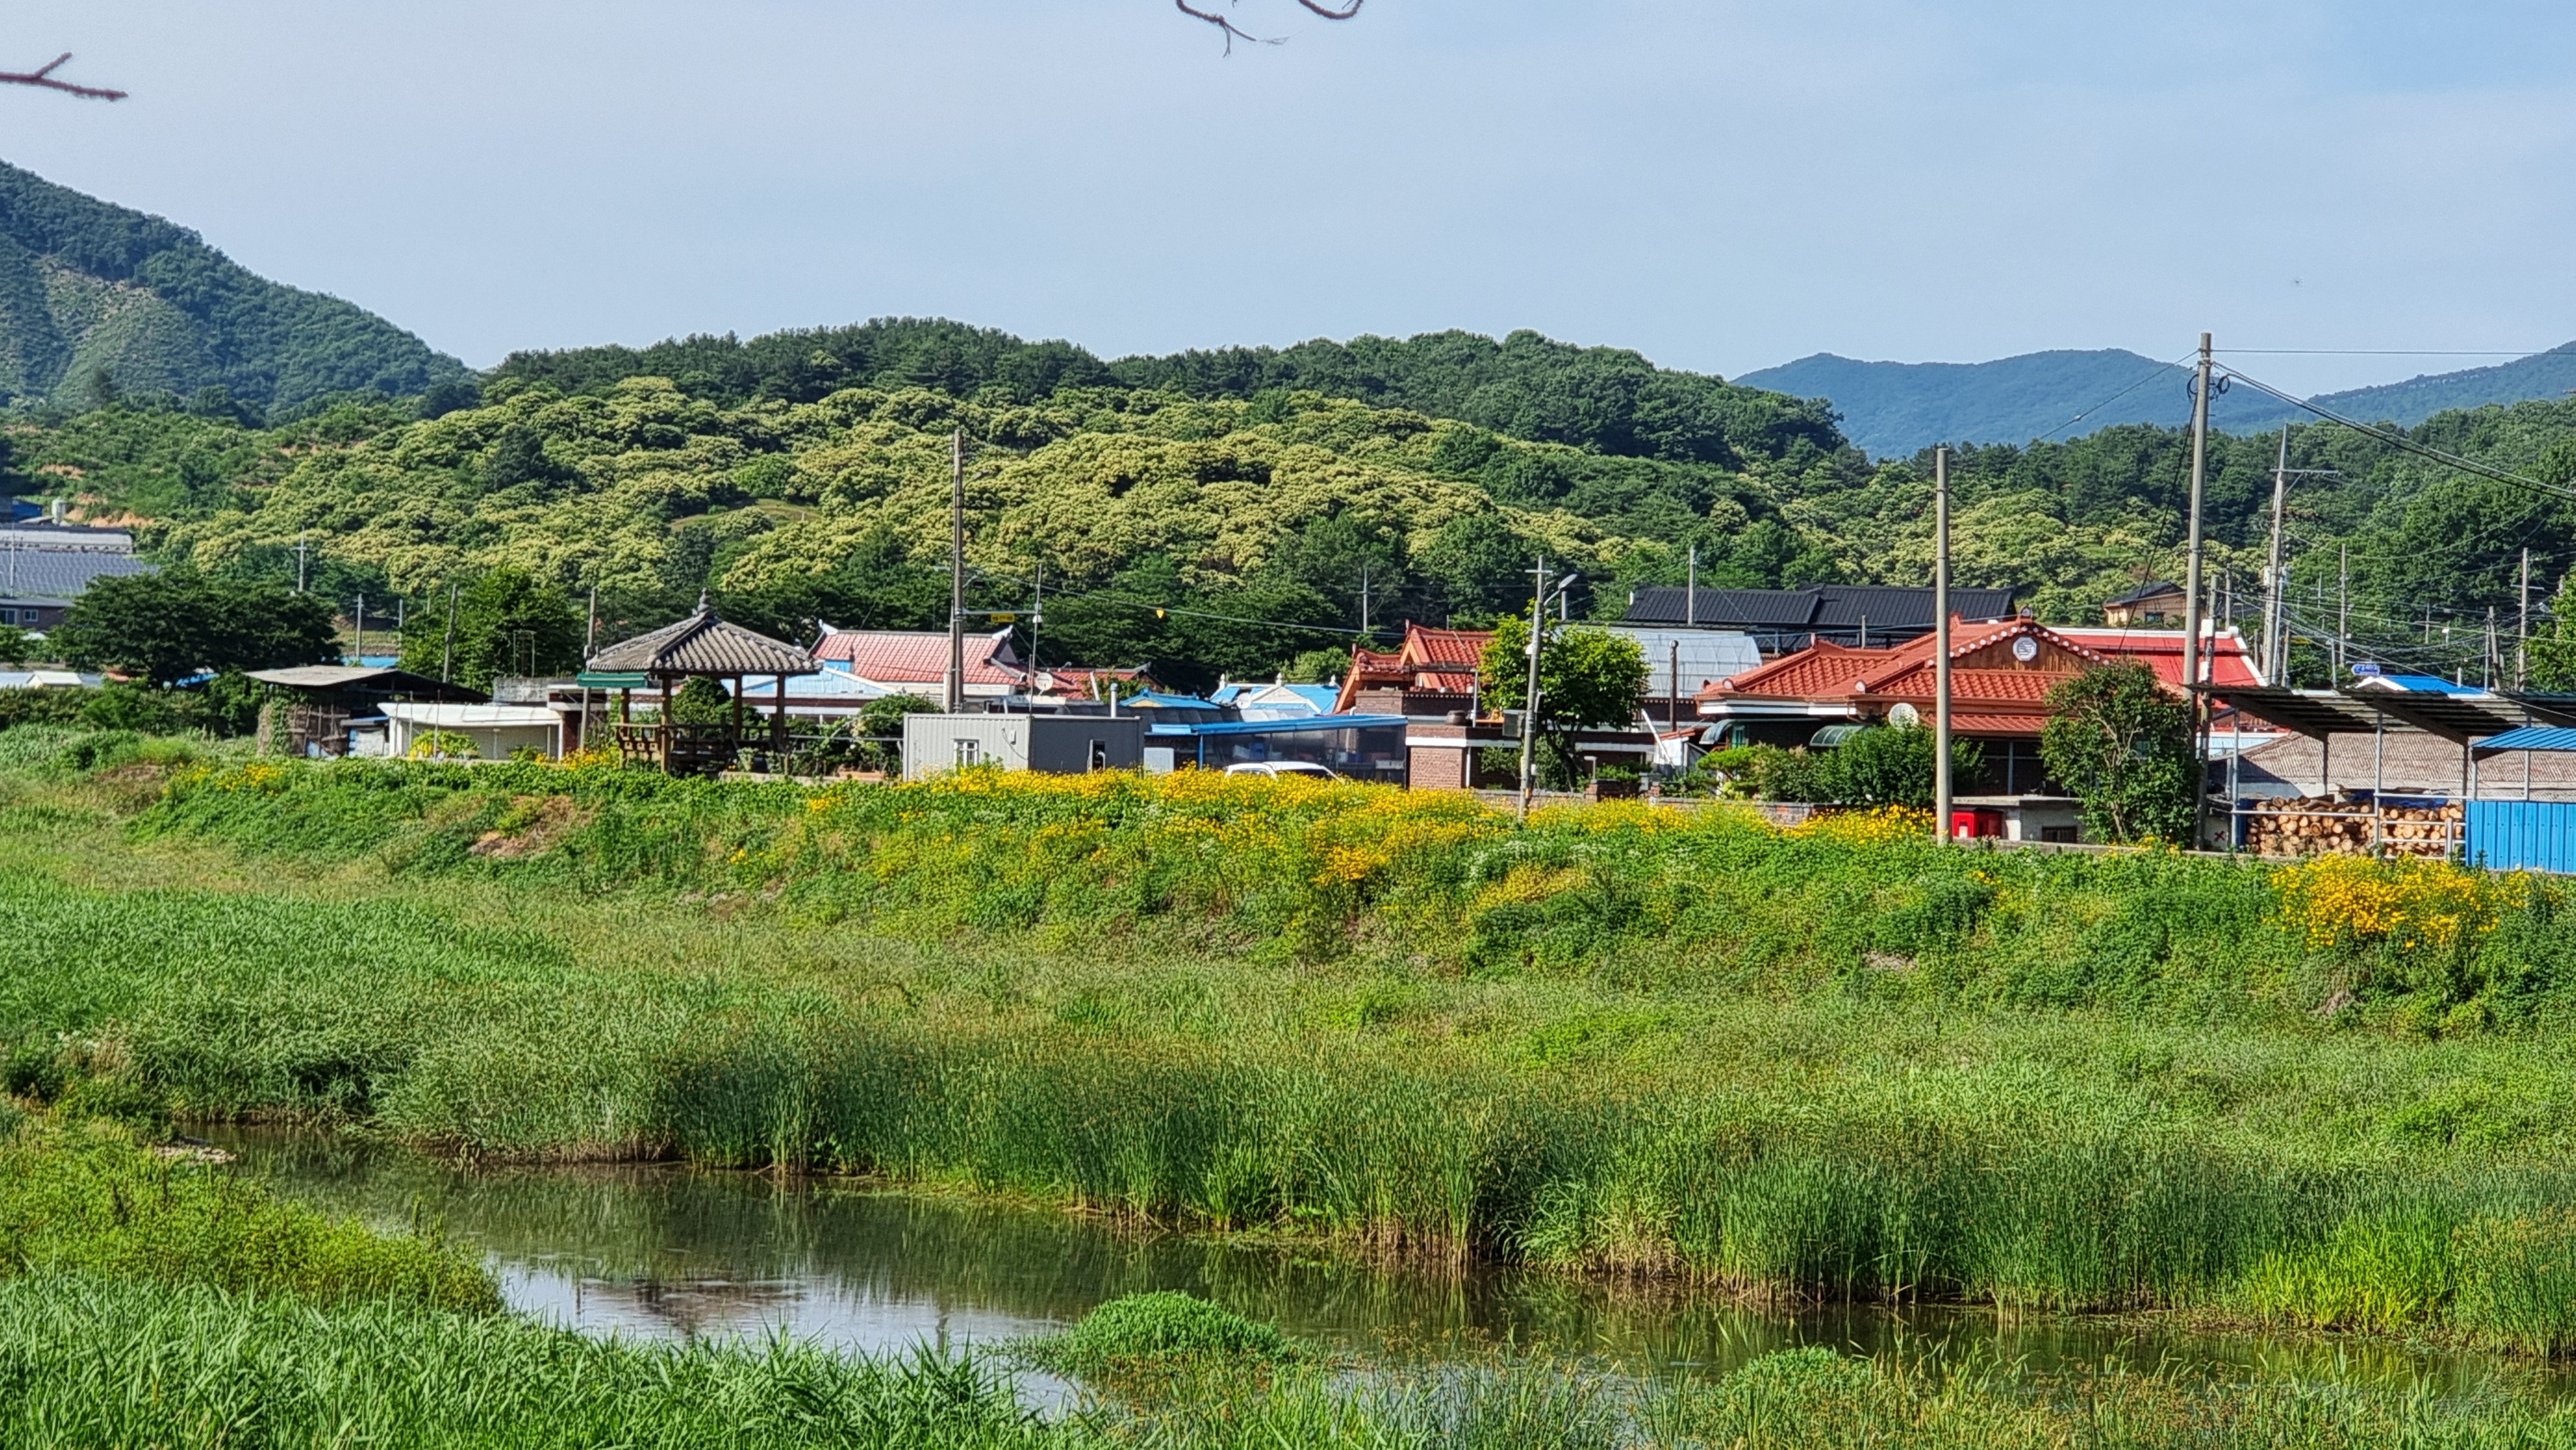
{"points": [[1280, 727], [2425, 684], [2532, 737]]}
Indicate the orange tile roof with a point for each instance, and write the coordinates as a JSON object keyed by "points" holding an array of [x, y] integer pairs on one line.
{"points": [[1821, 668]]}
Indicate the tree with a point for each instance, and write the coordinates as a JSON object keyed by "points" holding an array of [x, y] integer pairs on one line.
{"points": [[2553, 654], [1892, 765], [1586, 678], [44, 76], [1319, 666], [507, 623], [1232, 31], [2122, 743], [173, 624], [15, 646]]}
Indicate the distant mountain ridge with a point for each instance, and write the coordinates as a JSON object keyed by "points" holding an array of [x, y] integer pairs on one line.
{"points": [[86, 285], [1896, 409]]}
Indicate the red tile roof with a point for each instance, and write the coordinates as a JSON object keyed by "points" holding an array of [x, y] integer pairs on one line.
{"points": [[1986, 698], [2161, 650], [908, 657], [1431, 661], [1822, 668]]}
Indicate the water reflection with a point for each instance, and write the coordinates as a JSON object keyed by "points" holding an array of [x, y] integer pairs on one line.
{"points": [[671, 1252]]}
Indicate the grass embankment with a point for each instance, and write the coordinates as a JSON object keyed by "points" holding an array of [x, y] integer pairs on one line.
{"points": [[1840, 1061]]}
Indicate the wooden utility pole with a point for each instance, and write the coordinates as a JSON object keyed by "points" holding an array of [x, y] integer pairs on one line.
{"points": [[2191, 648], [2273, 585], [1941, 783], [956, 692], [1529, 698]]}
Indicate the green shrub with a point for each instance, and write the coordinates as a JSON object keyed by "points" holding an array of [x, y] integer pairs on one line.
{"points": [[1160, 1329]]}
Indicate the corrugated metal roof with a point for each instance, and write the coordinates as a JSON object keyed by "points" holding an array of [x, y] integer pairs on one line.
{"points": [[1825, 606], [703, 644], [1707, 656], [57, 576], [2531, 737]]}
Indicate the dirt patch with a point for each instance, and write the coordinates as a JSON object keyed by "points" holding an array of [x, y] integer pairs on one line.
{"points": [[535, 824]]}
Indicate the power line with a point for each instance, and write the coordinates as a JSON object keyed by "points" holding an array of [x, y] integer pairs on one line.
{"points": [[2389, 351], [2405, 444]]}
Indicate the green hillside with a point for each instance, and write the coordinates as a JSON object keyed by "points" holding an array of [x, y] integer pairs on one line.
{"points": [[97, 299]]}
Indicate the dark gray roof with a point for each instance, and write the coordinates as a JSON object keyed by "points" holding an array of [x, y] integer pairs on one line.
{"points": [[366, 680], [57, 576], [702, 644], [1825, 606], [2143, 592]]}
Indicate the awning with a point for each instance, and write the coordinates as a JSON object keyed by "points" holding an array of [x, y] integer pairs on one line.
{"points": [[2313, 713], [2456, 718], [2530, 737]]}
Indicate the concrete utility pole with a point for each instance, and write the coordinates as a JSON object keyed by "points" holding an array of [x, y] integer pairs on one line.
{"points": [[2273, 584], [447, 650], [1037, 616], [1941, 795], [2191, 649], [1690, 591], [2522, 630], [590, 631], [361, 650], [299, 559], [1364, 599], [2495, 652], [2343, 610], [1529, 699], [956, 692]]}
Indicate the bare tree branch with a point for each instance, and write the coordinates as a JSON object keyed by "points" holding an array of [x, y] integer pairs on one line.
{"points": [[1234, 32], [45, 78]]}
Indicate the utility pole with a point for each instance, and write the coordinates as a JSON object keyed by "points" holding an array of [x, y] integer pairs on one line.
{"points": [[2191, 591], [1364, 600], [1941, 783], [1037, 616], [1690, 591], [2343, 609], [956, 693], [447, 651], [1673, 688], [1529, 698], [590, 629], [2273, 584], [299, 559], [361, 650], [2522, 625]]}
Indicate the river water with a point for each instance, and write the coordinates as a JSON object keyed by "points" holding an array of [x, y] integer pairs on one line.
{"points": [[670, 1252]]}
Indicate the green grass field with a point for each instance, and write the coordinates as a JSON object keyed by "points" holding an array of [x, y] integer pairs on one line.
{"points": [[1844, 1062]]}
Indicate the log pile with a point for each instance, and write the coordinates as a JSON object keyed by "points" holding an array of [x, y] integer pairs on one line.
{"points": [[2341, 826]]}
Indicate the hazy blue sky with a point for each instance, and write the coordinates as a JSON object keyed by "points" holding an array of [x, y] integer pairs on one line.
{"points": [[1721, 185]]}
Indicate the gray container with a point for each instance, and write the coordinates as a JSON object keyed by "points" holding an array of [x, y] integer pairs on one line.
{"points": [[1056, 744]]}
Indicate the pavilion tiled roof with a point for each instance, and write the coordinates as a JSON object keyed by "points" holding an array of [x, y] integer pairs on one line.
{"points": [[703, 644]]}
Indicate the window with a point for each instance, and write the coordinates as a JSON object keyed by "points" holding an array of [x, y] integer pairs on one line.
{"points": [[969, 752]]}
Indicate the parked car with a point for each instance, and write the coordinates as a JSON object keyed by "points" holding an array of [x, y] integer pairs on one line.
{"points": [[1282, 767]]}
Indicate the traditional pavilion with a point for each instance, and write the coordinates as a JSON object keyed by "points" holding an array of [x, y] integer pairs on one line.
{"points": [[701, 646]]}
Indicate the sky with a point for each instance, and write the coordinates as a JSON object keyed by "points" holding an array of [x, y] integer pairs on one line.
{"points": [[1722, 186]]}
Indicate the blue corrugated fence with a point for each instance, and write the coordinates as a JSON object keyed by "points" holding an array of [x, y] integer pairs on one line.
{"points": [[2523, 835]]}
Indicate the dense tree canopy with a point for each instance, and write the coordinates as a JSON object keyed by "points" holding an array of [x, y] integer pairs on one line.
{"points": [[172, 625]]}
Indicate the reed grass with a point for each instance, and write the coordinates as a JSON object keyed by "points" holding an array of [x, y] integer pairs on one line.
{"points": [[1842, 1062]]}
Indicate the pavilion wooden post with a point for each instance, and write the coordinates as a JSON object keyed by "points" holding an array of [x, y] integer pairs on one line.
{"points": [[662, 733], [778, 725]]}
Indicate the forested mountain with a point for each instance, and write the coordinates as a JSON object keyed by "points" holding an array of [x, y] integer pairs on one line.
{"points": [[1239, 533], [98, 300], [1891, 409], [1604, 400], [2542, 376]]}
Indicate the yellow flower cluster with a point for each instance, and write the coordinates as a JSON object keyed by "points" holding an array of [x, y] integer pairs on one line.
{"points": [[1876, 827], [2347, 900]]}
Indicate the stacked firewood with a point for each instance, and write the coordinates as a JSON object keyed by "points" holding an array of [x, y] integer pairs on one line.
{"points": [[2329, 825]]}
